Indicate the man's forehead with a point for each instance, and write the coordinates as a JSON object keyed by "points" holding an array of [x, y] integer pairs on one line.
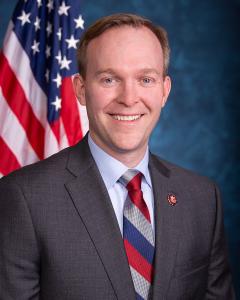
{"points": [[141, 70], [120, 34], [125, 49]]}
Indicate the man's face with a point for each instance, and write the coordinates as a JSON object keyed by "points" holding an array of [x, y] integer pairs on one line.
{"points": [[124, 89]]}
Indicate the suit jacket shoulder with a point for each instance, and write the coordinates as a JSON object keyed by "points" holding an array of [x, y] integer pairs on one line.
{"points": [[182, 177]]}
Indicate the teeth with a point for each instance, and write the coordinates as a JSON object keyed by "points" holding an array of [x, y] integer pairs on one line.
{"points": [[126, 118]]}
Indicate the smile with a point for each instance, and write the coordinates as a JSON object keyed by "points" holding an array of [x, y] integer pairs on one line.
{"points": [[126, 118]]}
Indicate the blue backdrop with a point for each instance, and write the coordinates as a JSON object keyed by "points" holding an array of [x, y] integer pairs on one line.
{"points": [[198, 127]]}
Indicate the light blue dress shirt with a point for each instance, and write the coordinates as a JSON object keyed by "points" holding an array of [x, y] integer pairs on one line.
{"points": [[111, 170]]}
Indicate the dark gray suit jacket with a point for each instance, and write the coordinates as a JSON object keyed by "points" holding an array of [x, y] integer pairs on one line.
{"points": [[60, 240]]}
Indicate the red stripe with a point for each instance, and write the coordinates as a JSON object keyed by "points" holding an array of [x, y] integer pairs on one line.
{"points": [[137, 198], [70, 113], [8, 161], [138, 262], [17, 101]]}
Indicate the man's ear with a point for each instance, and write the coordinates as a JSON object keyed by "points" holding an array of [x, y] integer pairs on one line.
{"points": [[79, 88], [166, 89]]}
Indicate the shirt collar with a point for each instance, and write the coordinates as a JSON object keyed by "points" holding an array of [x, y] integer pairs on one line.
{"points": [[112, 169]]}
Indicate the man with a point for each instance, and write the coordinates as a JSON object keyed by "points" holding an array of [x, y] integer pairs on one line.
{"points": [[106, 219]]}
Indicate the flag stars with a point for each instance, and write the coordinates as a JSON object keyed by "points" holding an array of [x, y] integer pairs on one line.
{"points": [[24, 18], [49, 28], [50, 5], [58, 80], [35, 47], [72, 43], [59, 57], [59, 33], [79, 22], [57, 103], [63, 9], [39, 3], [48, 51], [37, 23], [64, 64]]}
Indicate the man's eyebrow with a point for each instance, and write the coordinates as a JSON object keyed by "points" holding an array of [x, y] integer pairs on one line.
{"points": [[140, 71], [150, 70], [108, 71]]}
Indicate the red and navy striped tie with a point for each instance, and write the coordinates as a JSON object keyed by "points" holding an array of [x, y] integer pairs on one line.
{"points": [[138, 235]]}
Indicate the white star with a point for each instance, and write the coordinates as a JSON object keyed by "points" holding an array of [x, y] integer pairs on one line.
{"points": [[24, 18], [59, 33], [58, 80], [57, 103], [39, 3], [50, 5], [37, 23], [63, 9], [49, 28], [79, 22], [35, 47], [65, 63], [47, 75], [72, 43], [48, 51], [59, 57]]}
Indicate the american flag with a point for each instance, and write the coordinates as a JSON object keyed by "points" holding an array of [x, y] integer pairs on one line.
{"points": [[39, 113]]}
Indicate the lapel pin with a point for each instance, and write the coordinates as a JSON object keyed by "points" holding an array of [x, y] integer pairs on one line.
{"points": [[172, 200]]}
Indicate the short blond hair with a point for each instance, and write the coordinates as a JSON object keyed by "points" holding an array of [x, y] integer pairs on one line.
{"points": [[118, 20]]}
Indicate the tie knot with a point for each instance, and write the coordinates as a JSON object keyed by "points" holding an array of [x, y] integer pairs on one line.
{"points": [[131, 179]]}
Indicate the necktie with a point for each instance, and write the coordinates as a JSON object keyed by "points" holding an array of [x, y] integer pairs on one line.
{"points": [[138, 235]]}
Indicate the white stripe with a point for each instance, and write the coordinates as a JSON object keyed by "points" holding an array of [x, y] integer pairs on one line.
{"points": [[84, 118], [1, 175], [63, 136], [19, 62], [141, 285], [14, 134], [83, 115], [63, 140]]}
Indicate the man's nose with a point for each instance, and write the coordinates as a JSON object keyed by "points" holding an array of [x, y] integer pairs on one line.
{"points": [[129, 93]]}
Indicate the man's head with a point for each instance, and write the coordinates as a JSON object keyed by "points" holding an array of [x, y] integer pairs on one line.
{"points": [[123, 83], [116, 21]]}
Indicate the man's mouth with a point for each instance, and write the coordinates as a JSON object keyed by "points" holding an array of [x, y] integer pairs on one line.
{"points": [[126, 117]]}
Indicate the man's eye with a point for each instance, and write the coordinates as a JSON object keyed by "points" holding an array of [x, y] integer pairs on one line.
{"points": [[148, 80], [108, 80]]}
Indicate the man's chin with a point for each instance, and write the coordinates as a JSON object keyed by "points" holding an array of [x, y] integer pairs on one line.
{"points": [[128, 147]]}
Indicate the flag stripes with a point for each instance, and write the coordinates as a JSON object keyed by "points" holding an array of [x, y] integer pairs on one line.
{"points": [[19, 105], [71, 120], [39, 112], [19, 143], [9, 160]]}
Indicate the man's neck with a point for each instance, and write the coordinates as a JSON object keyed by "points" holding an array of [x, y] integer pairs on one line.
{"points": [[130, 158]]}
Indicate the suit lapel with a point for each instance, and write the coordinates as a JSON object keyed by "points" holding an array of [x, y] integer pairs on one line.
{"points": [[94, 207], [167, 224]]}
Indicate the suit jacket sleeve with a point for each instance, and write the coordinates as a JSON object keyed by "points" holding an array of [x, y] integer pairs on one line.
{"points": [[19, 271], [219, 276]]}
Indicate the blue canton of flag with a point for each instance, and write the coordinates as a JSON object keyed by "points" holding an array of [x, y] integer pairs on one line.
{"points": [[49, 31]]}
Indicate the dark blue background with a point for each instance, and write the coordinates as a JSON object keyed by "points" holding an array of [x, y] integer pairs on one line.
{"points": [[198, 128]]}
